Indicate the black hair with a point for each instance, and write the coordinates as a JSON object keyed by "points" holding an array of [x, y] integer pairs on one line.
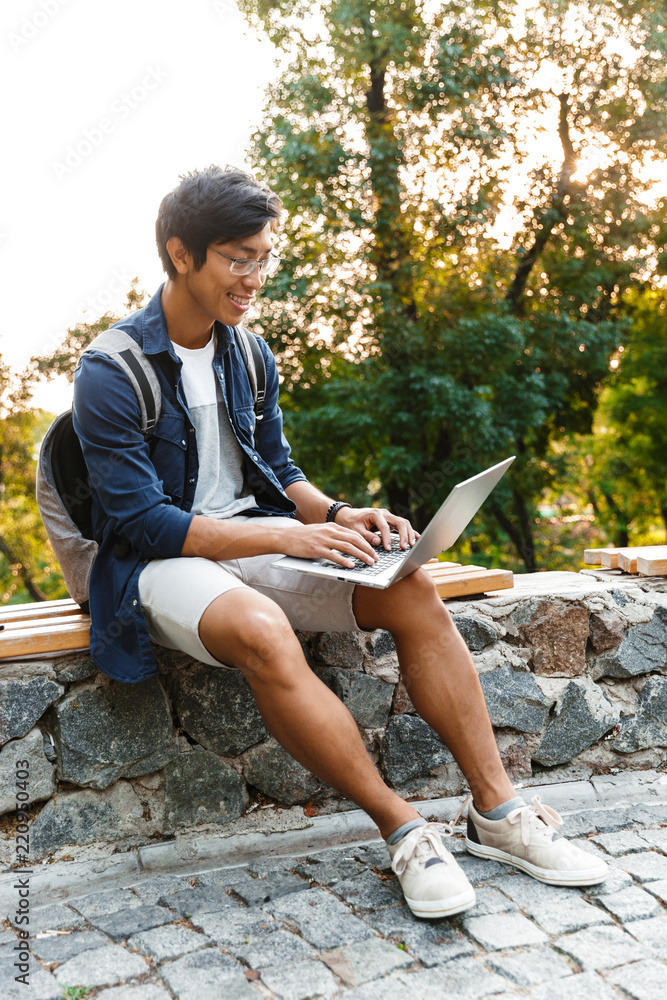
{"points": [[214, 205]]}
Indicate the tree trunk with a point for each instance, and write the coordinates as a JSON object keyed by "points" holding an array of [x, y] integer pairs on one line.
{"points": [[28, 582], [520, 533]]}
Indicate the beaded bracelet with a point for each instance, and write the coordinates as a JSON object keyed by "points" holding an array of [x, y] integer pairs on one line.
{"points": [[334, 508]]}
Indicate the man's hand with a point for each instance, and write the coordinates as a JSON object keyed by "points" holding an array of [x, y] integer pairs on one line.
{"points": [[364, 519], [327, 541]]}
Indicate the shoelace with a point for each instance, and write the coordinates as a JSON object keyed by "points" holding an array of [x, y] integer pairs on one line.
{"points": [[537, 809], [420, 841]]}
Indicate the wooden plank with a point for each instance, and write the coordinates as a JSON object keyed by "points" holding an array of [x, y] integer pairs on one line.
{"points": [[652, 566], [47, 625], [438, 574], [23, 642], [35, 612], [593, 557], [437, 563], [47, 606], [475, 583], [627, 560]]}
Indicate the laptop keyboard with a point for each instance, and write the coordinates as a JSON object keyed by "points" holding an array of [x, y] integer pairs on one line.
{"points": [[387, 559]]}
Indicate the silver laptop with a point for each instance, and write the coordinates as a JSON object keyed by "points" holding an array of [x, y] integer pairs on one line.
{"points": [[439, 535]]}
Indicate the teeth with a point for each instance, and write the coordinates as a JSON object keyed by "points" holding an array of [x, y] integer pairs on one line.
{"points": [[235, 298]]}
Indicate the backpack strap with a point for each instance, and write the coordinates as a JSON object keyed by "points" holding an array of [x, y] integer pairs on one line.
{"points": [[254, 362], [124, 350]]}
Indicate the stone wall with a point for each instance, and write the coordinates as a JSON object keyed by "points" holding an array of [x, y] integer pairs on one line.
{"points": [[573, 670]]}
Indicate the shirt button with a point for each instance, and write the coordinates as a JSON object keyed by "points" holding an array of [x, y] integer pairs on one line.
{"points": [[192, 430], [256, 458], [134, 602], [192, 479], [184, 443]]}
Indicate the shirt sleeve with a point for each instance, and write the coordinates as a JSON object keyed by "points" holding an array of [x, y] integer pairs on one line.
{"points": [[107, 421], [270, 440]]}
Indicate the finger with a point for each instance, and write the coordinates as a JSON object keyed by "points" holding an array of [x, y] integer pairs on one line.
{"points": [[355, 544], [406, 533], [378, 518]]}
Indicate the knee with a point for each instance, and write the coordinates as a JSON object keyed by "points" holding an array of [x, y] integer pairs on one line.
{"points": [[268, 644]]}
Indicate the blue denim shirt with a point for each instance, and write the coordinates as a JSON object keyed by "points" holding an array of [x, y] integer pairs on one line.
{"points": [[143, 490]]}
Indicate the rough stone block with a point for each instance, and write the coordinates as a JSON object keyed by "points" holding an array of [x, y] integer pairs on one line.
{"points": [[463, 978], [23, 703], [191, 902], [648, 867], [150, 889], [529, 968], [113, 730], [366, 960], [512, 931], [301, 981], [171, 941], [651, 932], [616, 880], [201, 788], [42, 985], [565, 915], [382, 989], [147, 991], [348, 649], [600, 948], [217, 709], [642, 980], [605, 630], [367, 698], [630, 904], [620, 842], [410, 749], [655, 838], [643, 649], [477, 634], [586, 986], [368, 891], [41, 783], [658, 889], [278, 948], [329, 872], [60, 948], [402, 702], [232, 926], [105, 902], [557, 633], [255, 891], [209, 974], [101, 967], [81, 817], [514, 699], [321, 918], [648, 728], [125, 923], [270, 768], [582, 717], [55, 917], [75, 668], [433, 943], [526, 891]]}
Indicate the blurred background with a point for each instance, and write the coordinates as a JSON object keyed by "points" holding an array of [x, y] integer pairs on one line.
{"points": [[473, 242]]}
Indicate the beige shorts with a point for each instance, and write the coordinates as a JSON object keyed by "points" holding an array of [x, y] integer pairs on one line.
{"points": [[175, 593]]}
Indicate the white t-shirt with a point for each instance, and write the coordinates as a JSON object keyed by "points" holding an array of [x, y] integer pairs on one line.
{"points": [[221, 490]]}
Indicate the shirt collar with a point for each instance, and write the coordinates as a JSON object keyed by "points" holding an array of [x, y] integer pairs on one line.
{"points": [[155, 336]]}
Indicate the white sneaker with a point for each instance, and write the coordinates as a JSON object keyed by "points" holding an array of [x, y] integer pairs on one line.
{"points": [[527, 838], [432, 882]]}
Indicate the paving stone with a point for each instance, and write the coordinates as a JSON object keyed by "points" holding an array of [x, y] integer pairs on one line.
{"points": [[652, 932], [621, 842], [366, 960], [658, 889], [101, 904], [149, 991], [301, 981], [586, 986], [381, 989], [328, 873], [648, 867], [528, 891], [208, 974], [609, 820], [279, 948], [480, 869], [234, 926], [208, 899], [586, 844], [650, 814], [463, 978], [261, 890], [629, 787], [579, 825], [513, 930], [55, 917], [163, 943], [630, 904], [375, 855], [59, 948], [432, 942], [368, 891], [151, 890], [490, 900], [101, 967], [322, 918], [125, 923], [539, 965], [601, 948], [567, 915], [655, 838], [43, 986], [642, 981], [616, 880]]}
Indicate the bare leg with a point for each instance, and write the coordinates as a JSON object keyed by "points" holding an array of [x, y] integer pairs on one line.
{"points": [[247, 630], [440, 676]]}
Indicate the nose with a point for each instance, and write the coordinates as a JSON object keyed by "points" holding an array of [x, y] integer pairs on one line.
{"points": [[254, 280]]}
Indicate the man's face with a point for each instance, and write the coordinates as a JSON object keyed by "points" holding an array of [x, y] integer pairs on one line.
{"points": [[225, 296]]}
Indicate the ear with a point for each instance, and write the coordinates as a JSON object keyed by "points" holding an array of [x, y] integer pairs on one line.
{"points": [[180, 257]]}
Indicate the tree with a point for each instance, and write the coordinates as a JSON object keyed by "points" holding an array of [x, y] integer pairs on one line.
{"points": [[413, 341]]}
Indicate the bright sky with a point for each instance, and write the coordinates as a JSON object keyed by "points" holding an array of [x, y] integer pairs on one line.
{"points": [[104, 105]]}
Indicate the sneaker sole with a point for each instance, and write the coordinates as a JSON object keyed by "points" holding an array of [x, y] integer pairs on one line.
{"points": [[433, 908], [590, 876]]}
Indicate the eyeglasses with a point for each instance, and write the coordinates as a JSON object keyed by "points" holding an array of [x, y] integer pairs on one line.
{"points": [[245, 265]]}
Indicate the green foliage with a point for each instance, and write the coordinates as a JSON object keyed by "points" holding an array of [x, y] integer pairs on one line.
{"points": [[75, 992], [416, 344]]}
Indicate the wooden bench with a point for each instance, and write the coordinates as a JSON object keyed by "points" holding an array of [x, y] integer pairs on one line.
{"points": [[55, 626]]}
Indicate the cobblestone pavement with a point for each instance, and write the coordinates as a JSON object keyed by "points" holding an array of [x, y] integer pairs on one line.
{"points": [[332, 924]]}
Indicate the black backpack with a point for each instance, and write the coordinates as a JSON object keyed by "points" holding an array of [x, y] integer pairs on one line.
{"points": [[63, 491]]}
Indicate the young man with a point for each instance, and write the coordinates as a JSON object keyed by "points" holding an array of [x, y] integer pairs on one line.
{"points": [[191, 521]]}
